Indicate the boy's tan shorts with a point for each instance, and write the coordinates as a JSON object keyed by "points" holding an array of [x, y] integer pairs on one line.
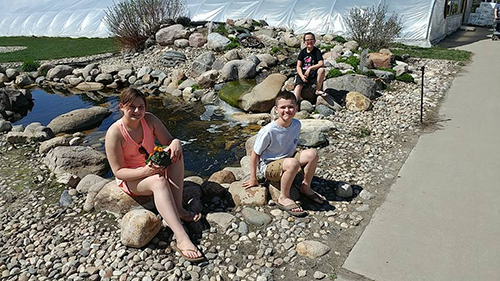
{"points": [[274, 170]]}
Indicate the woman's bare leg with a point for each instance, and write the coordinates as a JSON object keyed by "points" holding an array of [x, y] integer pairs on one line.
{"points": [[175, 176], [166, 206]]}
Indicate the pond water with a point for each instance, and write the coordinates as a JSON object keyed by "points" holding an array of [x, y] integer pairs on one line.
{"points": [[210, 141]]}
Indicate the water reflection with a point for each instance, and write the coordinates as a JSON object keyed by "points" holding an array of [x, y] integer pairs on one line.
{"points": [[210, 142]]}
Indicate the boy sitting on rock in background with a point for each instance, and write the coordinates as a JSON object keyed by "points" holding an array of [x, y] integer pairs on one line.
{"points": [[274, 153]]}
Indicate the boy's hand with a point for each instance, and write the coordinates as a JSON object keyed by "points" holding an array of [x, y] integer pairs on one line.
{"points": [[250, 183]]}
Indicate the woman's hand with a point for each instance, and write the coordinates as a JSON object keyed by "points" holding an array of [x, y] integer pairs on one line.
{"points": [[152, 169], [175, 150]]}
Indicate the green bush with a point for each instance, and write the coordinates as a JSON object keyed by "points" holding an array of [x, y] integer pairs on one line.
{"points": [[326, 47], [235, 43], [221, 29], [334, 73], [339, 39], [371, 27], [352, 61], [132, 22], [195, 87], [387, 69], [30, 65], [405, 77], [275, 49]]}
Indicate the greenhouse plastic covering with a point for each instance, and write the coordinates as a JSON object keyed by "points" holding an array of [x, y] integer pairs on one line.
{"points": [[84, 18]]}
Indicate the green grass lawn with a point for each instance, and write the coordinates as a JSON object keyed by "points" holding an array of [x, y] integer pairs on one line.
{"points": [[44, 48], [430, 53]]}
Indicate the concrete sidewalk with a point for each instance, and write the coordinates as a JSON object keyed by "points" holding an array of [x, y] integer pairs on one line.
{"points": [[441, 219]]}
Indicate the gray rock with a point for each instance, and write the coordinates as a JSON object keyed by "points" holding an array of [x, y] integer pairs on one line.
{"points": [[261, 98], [387, 76], [138, 227], [207, 79], [172, 58], [77, 160], [112, 199], [344, 190], [268, 41], [268, 59], [203, 62], [143, 71], [186, 83], [59, 71], [351, 45], [365, 194], [125, 73], [307, 106], [217, 42], [11, 73], [255, 196], [291, 40], [5, 126], [89, 86], [79, 119], [255, 217], [104, 78], [87, 182], [75, 81], [23, 80], [243, 228], [65, 199], [319, 275], [312, 139], [181, 43], [3, 78], [352, 83], [223, 220], [324, 110]]}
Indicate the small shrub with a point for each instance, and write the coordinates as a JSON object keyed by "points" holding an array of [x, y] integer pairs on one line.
{"points": [[334, 73], [180, 81], [275, 49], [235, 43], [132, 22], [339, 39], [255, 23], [30, 65], [350, 72], [405, 77], [352, 61], [368, 73], [327, 47], [370, 28], [195, 87], [221, 29]]}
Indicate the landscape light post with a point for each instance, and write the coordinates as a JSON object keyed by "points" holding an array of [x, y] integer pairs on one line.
{"points": [[422, 97]]}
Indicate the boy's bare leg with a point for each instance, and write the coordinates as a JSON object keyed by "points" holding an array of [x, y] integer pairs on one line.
{"points": [[309, 158], [320, 78], [296, 91], [290, 168]]}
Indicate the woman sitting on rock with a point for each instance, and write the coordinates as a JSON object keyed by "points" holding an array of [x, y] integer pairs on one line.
{"points": [[128, 143]]}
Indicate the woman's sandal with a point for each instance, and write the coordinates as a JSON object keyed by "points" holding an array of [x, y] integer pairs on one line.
{"points": [[193, 217], [181, 252], [289, 209]]}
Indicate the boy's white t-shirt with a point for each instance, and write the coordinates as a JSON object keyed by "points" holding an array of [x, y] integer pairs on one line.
{"points": [[275, 142]]}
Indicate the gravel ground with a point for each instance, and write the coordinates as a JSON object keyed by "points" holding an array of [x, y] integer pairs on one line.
{"points": [[41, 240]]}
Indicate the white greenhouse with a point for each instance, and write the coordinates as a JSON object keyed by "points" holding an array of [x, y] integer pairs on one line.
{"points": [[425, 21]]}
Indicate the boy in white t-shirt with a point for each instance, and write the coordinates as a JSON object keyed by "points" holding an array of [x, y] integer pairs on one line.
{"points": [[274, 154]]}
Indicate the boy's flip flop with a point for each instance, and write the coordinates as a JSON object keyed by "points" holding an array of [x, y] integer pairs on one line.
{"points": [[321, 93], [288, 208], [181, 252]]}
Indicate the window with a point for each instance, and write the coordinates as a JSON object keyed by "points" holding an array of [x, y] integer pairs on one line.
{"points": [[453, 7]]}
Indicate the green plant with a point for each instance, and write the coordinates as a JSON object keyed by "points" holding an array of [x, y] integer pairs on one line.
{"points": [[405, 77], [30, 65], [134, 21], [326, 47], [368, 73], [333, 73], [255, 23], [235, 43], [179, 81], [352, 61], [275, 49], [195, 87], [221, 29], [350, 72], [461, 64], [370, 28], [339, 39], [387, 69], [159, 156]]}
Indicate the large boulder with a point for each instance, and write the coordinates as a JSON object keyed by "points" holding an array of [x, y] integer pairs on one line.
{"points": [[253, 118], [89, 86], [254, 196], [59, 71], [291, 40], [203, 62], [77, 160], [207, 79], [104, 78], [138, 227], [167, 36], [223, 176], [79, 119], [238, 69], [112, 199], [268, 59], [23, 80], [217, 42], [352, 83], [379, 60], [11, 73], [261, 98]]}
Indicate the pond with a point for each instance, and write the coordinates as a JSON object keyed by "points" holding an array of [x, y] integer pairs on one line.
{"points": [[210, 141]]}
